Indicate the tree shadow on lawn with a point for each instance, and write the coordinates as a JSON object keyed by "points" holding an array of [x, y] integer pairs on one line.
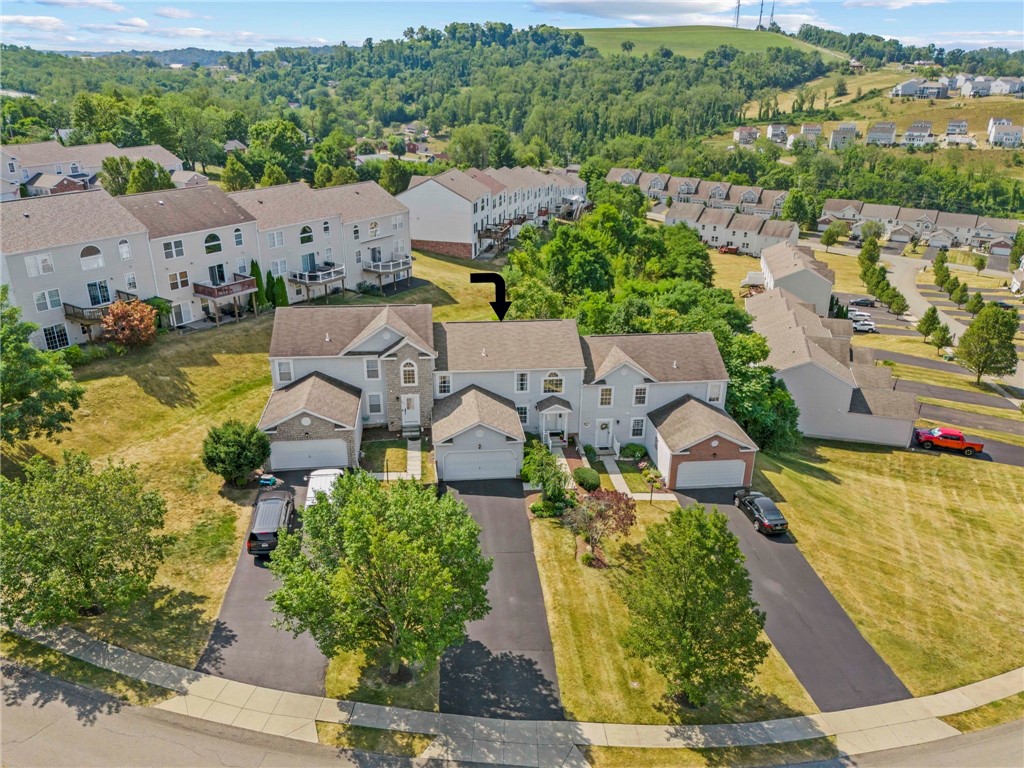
{"points": [[167, 624], [14, 459], [27, 686]]}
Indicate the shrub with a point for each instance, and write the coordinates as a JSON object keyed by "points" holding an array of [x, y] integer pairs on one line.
{"points": [[590, 453], [234, 449], [632, 451], [889, 363], [587, 559], [74, 355], [587, 478], [367, 288], [130, 323], [546, 509]]}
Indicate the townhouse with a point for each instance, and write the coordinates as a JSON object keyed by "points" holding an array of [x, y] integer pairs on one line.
{"points": [[842, 136], [918, 134], [749, 233], [332, 239], [883, 134], [840, 395], [931, 89], [43, 166], [746, 134], [1003, 133], [794, 269], [977, 87], [1005, 86], [906, 88], [956, 128], [777, 132], [710, 194], [480, 387]]}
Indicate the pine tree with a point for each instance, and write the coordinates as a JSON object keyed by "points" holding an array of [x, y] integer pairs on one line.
{"points": [[261, 293], [280, 292], [235, 176], [270, 293]]}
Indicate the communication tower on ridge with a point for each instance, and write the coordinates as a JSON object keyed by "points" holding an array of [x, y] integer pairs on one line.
{"points": [[736, 23]]}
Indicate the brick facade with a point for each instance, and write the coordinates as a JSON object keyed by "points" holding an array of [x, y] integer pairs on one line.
{"points": [[724, 451], [393, 386], [459, 250]]}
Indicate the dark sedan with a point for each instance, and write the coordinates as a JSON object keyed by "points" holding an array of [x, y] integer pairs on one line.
{"points": [[863, 303], [762, 510]]}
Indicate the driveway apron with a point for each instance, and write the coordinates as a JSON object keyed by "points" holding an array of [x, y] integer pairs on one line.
{"points": [[245, 646], [831, 659], [506, 668]]}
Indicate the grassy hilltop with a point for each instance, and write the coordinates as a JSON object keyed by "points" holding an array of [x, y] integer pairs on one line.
{"points": [[688, 41]]}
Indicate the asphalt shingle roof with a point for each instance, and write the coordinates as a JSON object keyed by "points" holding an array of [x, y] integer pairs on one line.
{"points": [[688, 420], [663, 356], [50, 221], [508, 346], [471, 407], [328, 331], [315, 393], [170, 212]]}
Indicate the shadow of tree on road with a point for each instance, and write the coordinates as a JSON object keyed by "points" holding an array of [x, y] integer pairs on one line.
{"points": [[27, 686]]}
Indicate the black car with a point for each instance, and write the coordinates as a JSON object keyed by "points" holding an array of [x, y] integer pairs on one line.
{"points": [[274, 511], [862, 303], [762, 510], [1003, 304]]}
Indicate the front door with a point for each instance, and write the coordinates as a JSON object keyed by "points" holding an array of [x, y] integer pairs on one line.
{"points": [[604, 435], [410, 410]]}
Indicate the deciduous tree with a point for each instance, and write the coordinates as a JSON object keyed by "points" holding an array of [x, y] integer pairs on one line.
{"points": [[986, 347], [898, 303], [980, 262], [396, 569], [975, 303], [234, 450], [39, 392], [692, 616], [395, 176], [114, 174], [272, 176], [872, 229], [941, 337], [148, 176], [959, 295], [602, 513], [76, 542], [928, 322], [832, 233], [236, 177], [130, 323]]}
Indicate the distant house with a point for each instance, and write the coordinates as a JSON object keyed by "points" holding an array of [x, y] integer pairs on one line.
{"points": [[1005, 86], [810, 129], [188, 179], [918, 134], [749, 233], [843, 135], [883, 134], [838, 209], [234, 145], [794, 268], [931, 89], [745, 134], [978, 87], [1001, 246], [1002, 133], [1017, 283], [855, 65], [906, 88], [956, 128], [962, 79], [799, 138], [54, 184], [777, 133]]}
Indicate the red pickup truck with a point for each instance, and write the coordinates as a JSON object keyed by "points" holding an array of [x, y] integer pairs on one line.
{"points": [[944, 437], [728, 249]]}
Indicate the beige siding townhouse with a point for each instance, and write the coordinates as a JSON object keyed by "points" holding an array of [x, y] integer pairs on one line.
{"points": [[794, 268]]}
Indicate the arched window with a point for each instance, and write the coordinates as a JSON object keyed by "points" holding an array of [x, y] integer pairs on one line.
{"points": [[408, 373], [125, 250], [327, 227], [74, 169], [212, 244], [92, 257], [355, 232], [553, 383], [238, 237], [306, 235]]}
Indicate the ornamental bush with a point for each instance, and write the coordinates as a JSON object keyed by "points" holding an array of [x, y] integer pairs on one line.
{"points": [[586, 478], [632, 451]]}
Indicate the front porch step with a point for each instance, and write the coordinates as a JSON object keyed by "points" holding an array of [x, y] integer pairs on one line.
{"points": [[411, 433]]}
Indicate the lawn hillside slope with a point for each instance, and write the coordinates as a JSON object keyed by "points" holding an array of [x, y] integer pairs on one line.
{"points": [[690, 40], [922, 550]]}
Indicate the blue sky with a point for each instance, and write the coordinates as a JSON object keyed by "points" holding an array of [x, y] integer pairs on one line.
{"points": [[240, 24]]}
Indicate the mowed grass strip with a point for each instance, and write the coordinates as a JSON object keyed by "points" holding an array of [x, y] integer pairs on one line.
{"points": [[978, 434], [357, 677], [989, 715], [598, 680], [1008, 414], [923, 552], [380, 741], [378, 454], [792, 753]]}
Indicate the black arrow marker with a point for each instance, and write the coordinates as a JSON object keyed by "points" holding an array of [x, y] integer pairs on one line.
{"points": [[500, 305]]}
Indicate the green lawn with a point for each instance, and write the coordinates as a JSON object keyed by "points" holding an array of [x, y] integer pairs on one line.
{"points": [[996, 713], [429, 471], [352, 676], [634, 480], [1012, 416], [376, 740], [792, 753], [385, 455], [846, 269], [587, 617], [731, 269], [922, 552], [939, 378], [690, 41]]}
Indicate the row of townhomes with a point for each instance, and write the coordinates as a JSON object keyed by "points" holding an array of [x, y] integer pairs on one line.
{"points": [[720, 227], [50, 168], [479, 387], [839, 391], [962, 84], [938, 228], [468, 213], [757, 201], [67, 257]]}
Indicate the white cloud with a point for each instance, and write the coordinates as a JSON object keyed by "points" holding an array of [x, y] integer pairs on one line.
{"points": [[1010, 38], [98, 5], [891, 5], [250, 39], [38, 23], [135, 22], [174, 13]]}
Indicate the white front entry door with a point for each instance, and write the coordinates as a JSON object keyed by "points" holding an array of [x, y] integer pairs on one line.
{"points": [[604, 434], [410, 409]]}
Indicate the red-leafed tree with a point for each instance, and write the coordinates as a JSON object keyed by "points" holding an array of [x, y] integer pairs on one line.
{"points": [[600, 514], [130, 323]]}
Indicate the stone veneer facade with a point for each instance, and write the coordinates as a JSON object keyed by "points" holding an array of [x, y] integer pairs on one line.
{"points": [[318, 429], [447, 248], [394, 389]]}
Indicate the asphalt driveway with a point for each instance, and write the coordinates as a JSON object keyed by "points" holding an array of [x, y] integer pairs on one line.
{"points": [[506, 668], [245, 646], [822, 646]]}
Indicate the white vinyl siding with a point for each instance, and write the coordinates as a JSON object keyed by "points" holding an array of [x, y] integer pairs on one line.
{"points": [[636, 428], [284, 370], [40, 264], [275, 239], [47, 300], [174, 249], [373, 402], [604, 399]]}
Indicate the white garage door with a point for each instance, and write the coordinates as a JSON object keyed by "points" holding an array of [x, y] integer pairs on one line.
{"points": [[710, 474], [308, 454], [478, 465]]}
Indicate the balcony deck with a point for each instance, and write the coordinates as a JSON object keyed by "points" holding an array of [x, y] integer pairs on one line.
{"points": [[387, 267], [93, 315], [319, 275], [241, 285]]}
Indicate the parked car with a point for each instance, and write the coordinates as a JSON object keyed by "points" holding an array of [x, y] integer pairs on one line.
{"points": [[944, 437], [1003, 304], [863, 303], [762, 510], [728, 249], [274, 511], [320, 481], [864, 326], [856, 314]]}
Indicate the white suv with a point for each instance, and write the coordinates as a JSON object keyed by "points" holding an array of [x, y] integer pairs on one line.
{"points": [[864, 326]]}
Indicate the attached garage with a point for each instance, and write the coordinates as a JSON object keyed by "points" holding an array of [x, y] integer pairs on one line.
{"points": [[477, 436], [313, 423], [308, 454], [710, 474], [478, 465]]}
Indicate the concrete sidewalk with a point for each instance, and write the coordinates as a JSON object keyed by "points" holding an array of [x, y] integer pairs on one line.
{"points": [[525, 742], [413, 465], [619, 483]]}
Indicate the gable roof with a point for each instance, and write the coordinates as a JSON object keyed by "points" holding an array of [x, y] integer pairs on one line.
{"points": [[688, 421], [475, 406], [48, 152], [616, 174], [968, 220], [836, 204], [689, 212], [487, 180], [662, 356], [315, 393], [328, 331], [50, 221], [188, 209], [778, 228], [879, 211], [784, 259], [513, 345], [916, 214], [459, 183], [285, 204]]}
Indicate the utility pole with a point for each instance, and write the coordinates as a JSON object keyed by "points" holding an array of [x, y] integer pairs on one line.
{"points": [[760, 16], [736, 23], [772, 21]]}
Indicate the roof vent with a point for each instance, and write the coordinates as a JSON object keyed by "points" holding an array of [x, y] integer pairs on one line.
{"points": [[675, 364], [159, 202], [327, 336], [25, 215], [483, 353]]}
